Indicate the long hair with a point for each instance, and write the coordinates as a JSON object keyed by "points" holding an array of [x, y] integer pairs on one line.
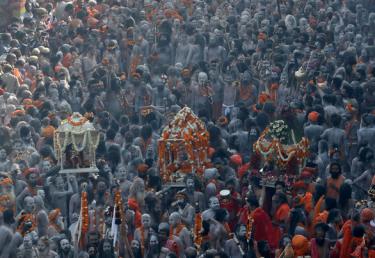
{"points": [[101, 253], [296, 216], [137, 191], [345, 195]]}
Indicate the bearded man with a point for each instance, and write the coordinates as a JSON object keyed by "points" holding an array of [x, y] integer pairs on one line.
{"points": [[202, 92], [65, 249], [237, 247], [179, 230], [142, 233], [320, 244], [44, 248], [106, 249], [194, 197]]}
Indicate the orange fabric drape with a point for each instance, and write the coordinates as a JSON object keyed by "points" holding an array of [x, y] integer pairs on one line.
{"points": [[347, 237]]}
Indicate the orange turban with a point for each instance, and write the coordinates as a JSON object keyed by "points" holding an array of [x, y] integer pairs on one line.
{"points": [[300, 245], [313, 116], [367, 215], [236, 159], [48, 131], [52, 216]]}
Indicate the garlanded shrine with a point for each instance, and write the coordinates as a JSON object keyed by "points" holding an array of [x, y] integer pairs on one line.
{"points": [[275, 146], [183, 147], [75, 143]]}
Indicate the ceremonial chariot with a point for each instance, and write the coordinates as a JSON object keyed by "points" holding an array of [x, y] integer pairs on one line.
{"points": [[183, 147], [75, 143]]}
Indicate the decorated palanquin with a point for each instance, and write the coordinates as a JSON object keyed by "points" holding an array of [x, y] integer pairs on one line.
{"points": [[7, 195], [75, 143], [275, 146], [183, 147]]}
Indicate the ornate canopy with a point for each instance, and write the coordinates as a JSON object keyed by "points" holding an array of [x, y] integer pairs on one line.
{"points": [[75, 143], [183, 146]]}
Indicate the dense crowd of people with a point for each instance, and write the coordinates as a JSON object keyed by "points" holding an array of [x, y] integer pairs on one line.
{"points": [[130, 66]]}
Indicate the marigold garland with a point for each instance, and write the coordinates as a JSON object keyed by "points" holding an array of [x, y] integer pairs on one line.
{"points": [[179, 228], [273, 149], [23, 219], [197, 229], [249, 226], [81, 121], [84, 213], [184, 133]]}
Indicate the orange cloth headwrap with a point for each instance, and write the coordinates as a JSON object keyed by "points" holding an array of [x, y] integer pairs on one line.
{"points": [[48, 131], [300, 245], [313, 116]]}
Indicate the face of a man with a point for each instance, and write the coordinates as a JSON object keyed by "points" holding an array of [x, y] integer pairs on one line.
{"points": [[202, 78], [29, 204], [146, 221], [214, 203], [3, 155], [279, 189], [190, 184], [121, 174], [242, 231], [33, 179], [154, 241], [92, 251], [46, 166], [106, 247], [320, 236], [60, 183], [172, 220], [101, 187], [135, 245], [65, 246], [41, 246], [27, 242]]}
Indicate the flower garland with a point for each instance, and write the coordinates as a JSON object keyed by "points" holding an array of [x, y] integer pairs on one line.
{"points": [[273, 149], [84, 213], [279, 130], [179, 228], [83, 146], [197, 229], [142, 230], [80, 122], [4, 200], [249, 226], [26, 218], [184, 133]]}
